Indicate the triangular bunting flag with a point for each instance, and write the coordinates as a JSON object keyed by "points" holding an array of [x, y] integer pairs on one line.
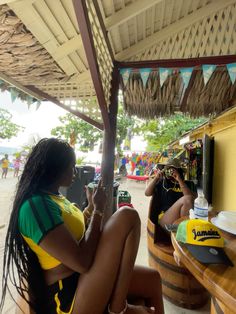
{"points": [[14, 94], [232, 71], [144, 75], [164, 73], [186, 75], [125, 75], [38, 103], [29, 100], [207, 71]]}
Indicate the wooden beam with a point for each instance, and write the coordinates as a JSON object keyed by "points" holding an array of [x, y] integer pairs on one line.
{"points": [[77, 113], [6, 1], [174, 28], [68, 47], [87, 37], [103, 28], [109, 140], [178, 63], [82, 77], [19, 86], [128, 12]]}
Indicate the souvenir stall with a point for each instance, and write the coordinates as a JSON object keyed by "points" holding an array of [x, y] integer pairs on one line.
{"points": [[194, 154]]}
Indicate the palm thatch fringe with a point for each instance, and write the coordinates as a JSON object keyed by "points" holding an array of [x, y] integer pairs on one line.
{"points": [[152, 100]]}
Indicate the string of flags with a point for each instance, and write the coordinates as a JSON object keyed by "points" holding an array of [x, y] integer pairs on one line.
{"points": [[185, 73], [16, 93]]}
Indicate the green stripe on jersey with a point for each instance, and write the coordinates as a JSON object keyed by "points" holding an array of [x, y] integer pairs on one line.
{"points": [[38, 216]]}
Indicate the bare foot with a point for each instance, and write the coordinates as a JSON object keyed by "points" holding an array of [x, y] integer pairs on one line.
{"points": [[138, 309]]}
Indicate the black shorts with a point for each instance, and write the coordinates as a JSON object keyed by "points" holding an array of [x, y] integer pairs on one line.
{"points": [[61, 295]]}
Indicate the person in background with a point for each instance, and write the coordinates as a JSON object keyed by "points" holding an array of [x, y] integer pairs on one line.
{"points": [[5, 165], [16, 165], [57, 264], [172, 195]]}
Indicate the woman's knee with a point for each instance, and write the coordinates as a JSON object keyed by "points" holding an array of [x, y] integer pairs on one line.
{"points": [[128, 216], [187, 201]]}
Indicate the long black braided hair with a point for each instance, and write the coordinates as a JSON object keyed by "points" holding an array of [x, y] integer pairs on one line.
{"points": [[45, 165]]}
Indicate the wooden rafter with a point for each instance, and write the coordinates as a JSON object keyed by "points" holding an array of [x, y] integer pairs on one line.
{"points": [[71, 45], [178, 63], [174, 28], [6, 1], [83, 77], [54, 100], [128, 12], [105, 34], [86, 34]]}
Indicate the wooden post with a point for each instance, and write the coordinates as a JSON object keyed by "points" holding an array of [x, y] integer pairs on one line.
{"points": [[108, 114], [109, 141]]}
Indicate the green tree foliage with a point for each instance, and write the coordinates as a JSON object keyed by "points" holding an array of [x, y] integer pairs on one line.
{"points": [[124, 122], [160, 132], [8, 129], [85, 134]]}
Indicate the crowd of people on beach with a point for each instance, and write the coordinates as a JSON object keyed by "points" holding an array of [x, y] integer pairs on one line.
{"points": [[138, 163], [15, 164]]}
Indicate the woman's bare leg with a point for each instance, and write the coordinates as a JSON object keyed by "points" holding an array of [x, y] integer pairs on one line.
{"points": [[109, 277], [179, 209], [146, 284]]}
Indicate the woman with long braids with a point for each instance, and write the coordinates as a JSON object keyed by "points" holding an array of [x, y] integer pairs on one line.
{"points": [[59, 266]]}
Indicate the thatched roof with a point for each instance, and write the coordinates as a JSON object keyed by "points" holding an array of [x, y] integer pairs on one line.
{"points": [[21, 53], [153, 100], [41, 45]]}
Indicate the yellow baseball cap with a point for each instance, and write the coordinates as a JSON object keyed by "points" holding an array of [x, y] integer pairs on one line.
{"points": [[203, 240]]}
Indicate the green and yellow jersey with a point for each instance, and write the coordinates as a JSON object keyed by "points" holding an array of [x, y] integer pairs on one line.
{"points": [[42, 213]]}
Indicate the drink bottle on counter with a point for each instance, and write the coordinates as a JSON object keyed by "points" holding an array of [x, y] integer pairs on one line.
{"points": [[201, 206]]}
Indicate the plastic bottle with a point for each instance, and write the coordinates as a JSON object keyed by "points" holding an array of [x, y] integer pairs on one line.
{"points": [[201, 206]]}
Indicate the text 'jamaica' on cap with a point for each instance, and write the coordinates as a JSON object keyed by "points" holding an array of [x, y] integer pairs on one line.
{"points": [[203, 240]]}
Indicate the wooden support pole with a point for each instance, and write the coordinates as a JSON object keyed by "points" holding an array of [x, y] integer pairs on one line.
{"points": [[108, 114], [109, 141], [104, 31], [81, 12]]}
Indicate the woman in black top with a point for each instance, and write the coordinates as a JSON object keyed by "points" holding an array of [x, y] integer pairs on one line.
{"points": [[172, 195]]}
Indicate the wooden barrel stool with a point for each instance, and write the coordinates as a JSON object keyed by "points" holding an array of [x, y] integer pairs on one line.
{"points": [[178, 284], [218, 307]]}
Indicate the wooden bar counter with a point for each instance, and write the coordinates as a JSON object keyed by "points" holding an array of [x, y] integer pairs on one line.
{"points": [[219, 280]]}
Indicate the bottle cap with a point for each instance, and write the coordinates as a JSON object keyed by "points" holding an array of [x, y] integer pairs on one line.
{"points": [[200, 191]]}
